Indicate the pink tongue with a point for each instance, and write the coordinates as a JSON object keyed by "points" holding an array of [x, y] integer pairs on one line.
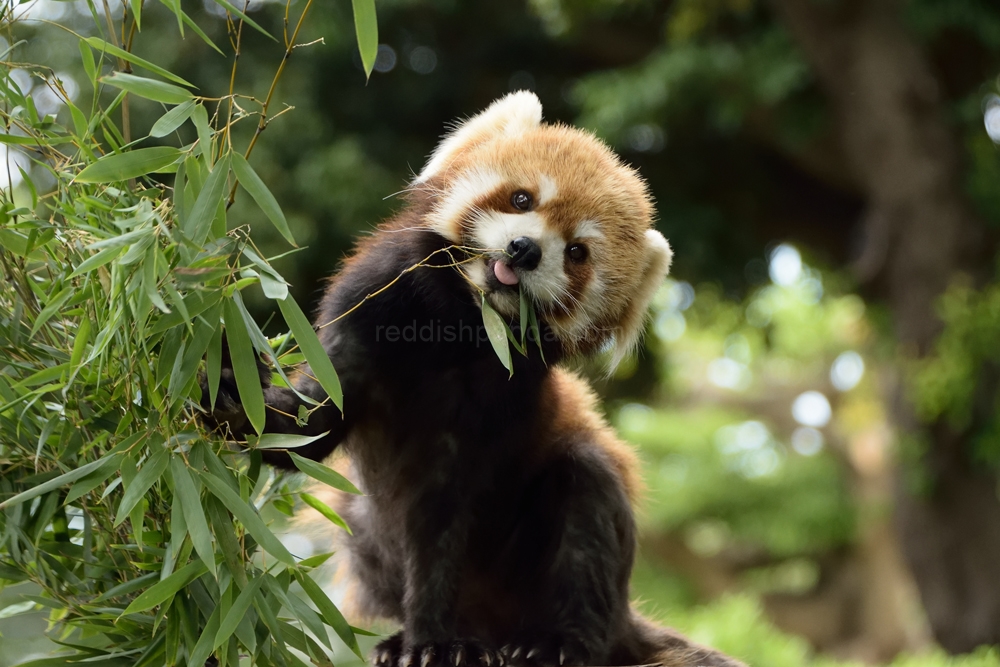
{"points": [[505, 274]]}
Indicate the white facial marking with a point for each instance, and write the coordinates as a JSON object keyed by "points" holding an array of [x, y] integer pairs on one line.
{"points": [[462, 194], [546, 283], [547, 189], [588, 229]]}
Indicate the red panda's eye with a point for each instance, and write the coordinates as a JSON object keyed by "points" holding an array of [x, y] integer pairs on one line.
{"points": [[577, 252], [520, 200]]}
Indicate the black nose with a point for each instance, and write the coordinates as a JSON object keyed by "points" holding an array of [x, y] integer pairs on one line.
{"points": [[524, 253]]}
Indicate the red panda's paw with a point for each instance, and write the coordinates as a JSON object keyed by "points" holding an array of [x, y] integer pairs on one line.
{"points": [[459, 653], [552, 651]]}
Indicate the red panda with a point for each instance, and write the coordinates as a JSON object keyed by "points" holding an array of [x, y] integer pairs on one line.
{"points": [[497, 523]]}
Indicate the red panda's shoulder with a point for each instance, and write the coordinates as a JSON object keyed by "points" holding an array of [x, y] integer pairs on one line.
{"points": [[574, 420]]}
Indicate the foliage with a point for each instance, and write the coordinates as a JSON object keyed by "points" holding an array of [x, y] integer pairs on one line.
{"points": [[737, 624], [965, 354], [144, 536]]}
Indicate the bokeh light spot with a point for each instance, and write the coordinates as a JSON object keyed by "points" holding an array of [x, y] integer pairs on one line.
{"points": [[785, 266], [812, 408], [847, 371]]}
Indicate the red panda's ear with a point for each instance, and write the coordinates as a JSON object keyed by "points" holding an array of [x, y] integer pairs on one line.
{"points": [[656, 263], [511, 115]]}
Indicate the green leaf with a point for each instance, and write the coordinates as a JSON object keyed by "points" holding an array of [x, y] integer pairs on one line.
{"points": [[127, 587], [56, 482], [101, 45], [97, 260], [523, 319], [536, 331], [239, 609], [319, 360], [130, 164], [497, 332], [164, 590], [87, 56], [203, 649], [253, 184], [151, 471], [186, 493], [18, 608], [329, 612], [53, 306], [366, 28], [173, 119], [200, 119], [273, 284], [321, 473], [158, 91], [199, 222], [98, 476], [325, 510], [285, 440], [213, 365], [195, 303], [244, 364], [248, 516]]}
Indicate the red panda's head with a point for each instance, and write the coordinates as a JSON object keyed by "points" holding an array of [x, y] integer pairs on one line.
{"points": [[558, 214]]}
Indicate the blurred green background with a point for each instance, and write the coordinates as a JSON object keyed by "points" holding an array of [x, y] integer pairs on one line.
{"points": [[816, 401]]}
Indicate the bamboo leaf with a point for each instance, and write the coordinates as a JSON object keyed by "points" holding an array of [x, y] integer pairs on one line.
{"points": [[319, 360], [199, 221], [248, 516], [496, 330], [97, 260], [52, 307], [324, 509], [321, 473], [164, 590], [239, 609], [285, 440], [366, 28], [151, 89], [173, 119], [56, 482], [136, 6], [203, 649], [130, 164], [244, 364], [186, 493], [331, 615], [151, 471], [113, 50], [253, 184]]}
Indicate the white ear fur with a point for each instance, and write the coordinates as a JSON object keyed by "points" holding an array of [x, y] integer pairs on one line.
{"points": [[511, 115], [656, 265]]}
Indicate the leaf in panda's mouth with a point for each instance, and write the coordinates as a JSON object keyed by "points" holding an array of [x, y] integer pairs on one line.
{"points": [[500, 334], [496, 330]]}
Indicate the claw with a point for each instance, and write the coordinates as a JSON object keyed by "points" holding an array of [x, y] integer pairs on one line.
{"points": [[516, 654], [406, 660], [532, 653], [427, 657], [459, 656], [488, 659], [562, 657]]}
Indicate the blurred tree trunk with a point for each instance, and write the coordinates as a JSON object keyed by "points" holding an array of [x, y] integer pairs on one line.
{"points": [[919, 232]]}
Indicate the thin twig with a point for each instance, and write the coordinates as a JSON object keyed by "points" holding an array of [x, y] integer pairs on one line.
{"points": [[289, 47]]}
